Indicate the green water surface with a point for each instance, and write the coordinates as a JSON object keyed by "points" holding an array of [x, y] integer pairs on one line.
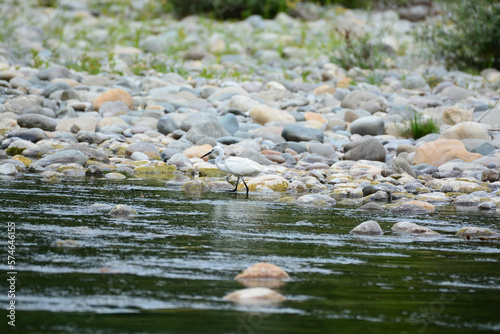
{"points": [[167, 269]]}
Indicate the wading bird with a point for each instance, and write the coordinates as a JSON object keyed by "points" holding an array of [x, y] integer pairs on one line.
{"points": [[236, 166]]}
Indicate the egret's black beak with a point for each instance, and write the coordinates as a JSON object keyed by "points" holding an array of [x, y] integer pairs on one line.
{"points": [[206, 154]]}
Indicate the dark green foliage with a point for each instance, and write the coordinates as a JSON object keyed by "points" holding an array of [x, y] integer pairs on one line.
{"points": [[468, 36], [223, 9], [86, 63], [365, 52], [240, 9], [47, 3]]}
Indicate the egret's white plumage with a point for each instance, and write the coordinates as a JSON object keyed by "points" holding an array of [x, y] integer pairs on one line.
{"points": [[236, 166]]}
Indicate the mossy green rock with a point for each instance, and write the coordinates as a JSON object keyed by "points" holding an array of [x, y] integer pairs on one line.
{"points": [[12, 151], [340, 193], [52, 176], [195, 186], [155, 169], [23, 159], [287, 200], [456, 186], [211, 172], [274, 182], [121, 152], [62, 168]]}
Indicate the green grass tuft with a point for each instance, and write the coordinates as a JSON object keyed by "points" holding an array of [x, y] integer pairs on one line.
{"points": [[419, 126]]}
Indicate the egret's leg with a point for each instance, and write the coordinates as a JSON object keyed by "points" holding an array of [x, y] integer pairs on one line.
{"points": [[236, 188], [245, 184]]}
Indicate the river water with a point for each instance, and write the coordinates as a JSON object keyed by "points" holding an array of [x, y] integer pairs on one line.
{"points": [[167, 269]]}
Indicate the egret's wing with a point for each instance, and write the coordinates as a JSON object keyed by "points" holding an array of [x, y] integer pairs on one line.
{"points": [[243, 167]]}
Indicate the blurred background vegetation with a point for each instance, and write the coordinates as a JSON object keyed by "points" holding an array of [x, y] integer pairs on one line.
{"points": [[467, 36], [462, 34], [240, 9]]}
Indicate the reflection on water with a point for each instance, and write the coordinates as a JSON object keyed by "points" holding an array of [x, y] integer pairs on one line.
{"points": [[168, 268]]}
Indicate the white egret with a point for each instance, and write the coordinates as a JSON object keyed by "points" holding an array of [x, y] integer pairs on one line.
{"points": [[236, 166]]}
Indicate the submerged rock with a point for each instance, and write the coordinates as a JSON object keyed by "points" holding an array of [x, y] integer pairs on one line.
{"points": [[422, 204], [412, 228], [369, 227], [471, 233], [316, 200], [67, 243], [122, 210], [255, 296], [263, 270], [195, 186], [487, 206], [219, 185], [100, 207], [410, 209], [52, 176], [115, 176], [371, 207]]}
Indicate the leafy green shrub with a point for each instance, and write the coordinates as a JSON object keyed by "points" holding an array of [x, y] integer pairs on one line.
{"points": [[239, 9], [365, 51], [86, 63], [223, 9], [467, 37], [419, 126]]}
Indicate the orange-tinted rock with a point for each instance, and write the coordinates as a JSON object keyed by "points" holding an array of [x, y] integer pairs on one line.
{"points": [[324, 89], [313, 124], [106, 270], [454, 115], [292, 152], [423, 204], [197, 151], [113, 95], [276, 158], [270, 152], [154, 107], [263, 270], [443, 150], [344, 83], [314, 116]]}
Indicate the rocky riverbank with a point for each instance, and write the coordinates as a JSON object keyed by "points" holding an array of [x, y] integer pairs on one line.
{"points": [[262, 89]]}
